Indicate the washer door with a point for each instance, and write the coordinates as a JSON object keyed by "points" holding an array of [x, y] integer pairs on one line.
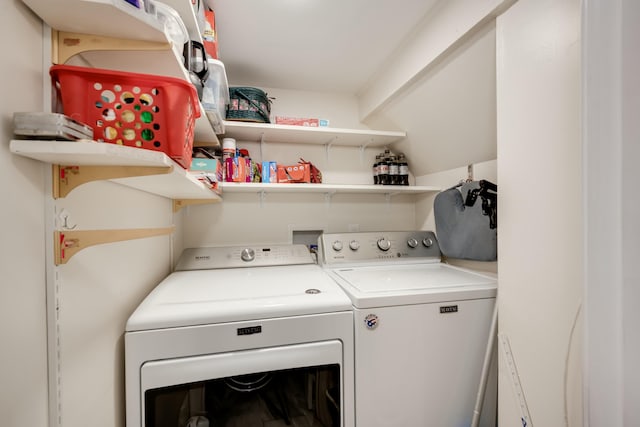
{"points": [[245, 387]]}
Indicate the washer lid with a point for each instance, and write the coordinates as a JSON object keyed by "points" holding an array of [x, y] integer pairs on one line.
{"points": [[188, 298], [375, 286]]}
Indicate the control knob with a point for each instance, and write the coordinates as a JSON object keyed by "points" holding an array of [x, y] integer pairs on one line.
{"points": [[248, 254], [384, 244], [354, 245], [412, 243], [337, 245]]}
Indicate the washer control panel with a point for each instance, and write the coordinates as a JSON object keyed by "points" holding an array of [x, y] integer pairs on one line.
{"points": [[336, 248], [243, 256]]}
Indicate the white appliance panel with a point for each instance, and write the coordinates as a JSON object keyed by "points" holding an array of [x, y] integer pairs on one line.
{"points": [[200, 297], [190, 342], [374, 286], [421, 367], [186, 370], [411, 278]]}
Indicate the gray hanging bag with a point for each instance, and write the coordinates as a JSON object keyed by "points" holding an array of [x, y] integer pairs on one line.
{"points": [[467, 221]]}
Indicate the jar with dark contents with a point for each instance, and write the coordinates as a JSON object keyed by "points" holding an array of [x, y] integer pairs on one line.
{"points": [[376, 169], [383, 176], [393, 170], [403, 170]]}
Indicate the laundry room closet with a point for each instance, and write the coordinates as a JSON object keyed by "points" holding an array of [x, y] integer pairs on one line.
{"points": [[473, 90]]}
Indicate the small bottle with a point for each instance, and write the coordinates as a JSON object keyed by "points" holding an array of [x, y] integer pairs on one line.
{"points": [[403, 170], [393, 170], [376, 169], [228, 148], [383, 176]]}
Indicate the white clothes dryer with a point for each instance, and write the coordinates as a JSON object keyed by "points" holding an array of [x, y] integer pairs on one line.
{"points": [[241, 336], [421, 329]]}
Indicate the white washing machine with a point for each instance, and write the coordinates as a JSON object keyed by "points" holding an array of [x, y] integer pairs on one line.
{"points": [[241, 336], [421, 329]]}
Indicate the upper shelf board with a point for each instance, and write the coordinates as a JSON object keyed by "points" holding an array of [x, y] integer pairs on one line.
{"points": [[265, 132], [113, 18], [178, 184]]}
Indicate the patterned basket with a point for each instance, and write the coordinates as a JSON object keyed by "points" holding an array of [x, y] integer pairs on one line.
{"points": [[248, 104]]}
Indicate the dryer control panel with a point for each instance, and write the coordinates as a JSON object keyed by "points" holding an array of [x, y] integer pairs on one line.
{"points": [[339, 248]]}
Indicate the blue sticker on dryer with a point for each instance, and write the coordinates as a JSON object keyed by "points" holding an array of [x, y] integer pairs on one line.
{"points": [[371, 321]]}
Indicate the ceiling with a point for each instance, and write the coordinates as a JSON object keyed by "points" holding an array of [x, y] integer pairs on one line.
{"points": [[313, 45]]}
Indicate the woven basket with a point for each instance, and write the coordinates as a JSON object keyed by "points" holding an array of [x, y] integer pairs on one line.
{"points": [[248, 104]]}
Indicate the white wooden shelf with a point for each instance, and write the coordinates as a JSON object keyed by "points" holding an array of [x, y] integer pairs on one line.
{"points": [[330, 189], [265, 132], [113, 18], [171, 180]]}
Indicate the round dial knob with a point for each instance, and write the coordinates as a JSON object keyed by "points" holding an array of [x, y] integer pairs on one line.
{"points": [[248, 254], [354, 245], [427, 242], [337, 246], [412, 243], [384, 244]]}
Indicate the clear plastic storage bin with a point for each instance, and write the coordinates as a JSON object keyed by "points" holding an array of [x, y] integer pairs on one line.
{"points": [[215, 95]]}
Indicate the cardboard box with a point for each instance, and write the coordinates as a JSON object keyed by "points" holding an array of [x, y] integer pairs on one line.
{"points": [[301, 121], [203, 164], [269, 172], [294, 173], [236, 170], [209, 34], [209, 171]]}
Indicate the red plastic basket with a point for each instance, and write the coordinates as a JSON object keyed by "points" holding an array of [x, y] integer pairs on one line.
{"points": [[138, 110]]}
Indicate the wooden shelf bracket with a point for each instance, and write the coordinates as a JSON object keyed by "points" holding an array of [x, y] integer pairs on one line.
{"points": [[69, 242], [179, 204], [66, 178], [67, 44]]}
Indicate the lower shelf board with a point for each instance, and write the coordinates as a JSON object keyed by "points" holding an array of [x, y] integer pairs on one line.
{"points": [[330, 189], [145, 170]]}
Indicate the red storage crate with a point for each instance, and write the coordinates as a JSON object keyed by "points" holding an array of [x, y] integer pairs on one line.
{"points": [[138, 110]]}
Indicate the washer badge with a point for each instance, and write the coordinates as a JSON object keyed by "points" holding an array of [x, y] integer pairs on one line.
{"points": [[371, 321]]}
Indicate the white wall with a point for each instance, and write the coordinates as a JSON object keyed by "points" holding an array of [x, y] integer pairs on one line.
{"points": [[88, 299], [248, 218], [341, 110], [23, 355], [97, 290], [630, 208], [540, 237], [449, 112], [611, 129]]}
